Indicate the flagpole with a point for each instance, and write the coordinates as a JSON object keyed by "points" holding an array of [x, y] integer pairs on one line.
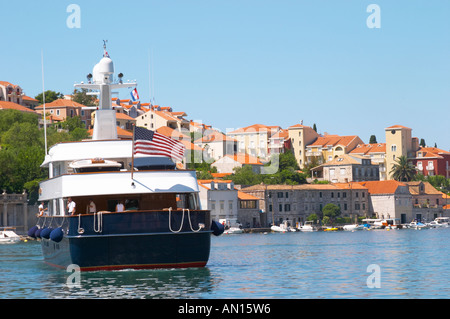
{"points": [[132, 155]]}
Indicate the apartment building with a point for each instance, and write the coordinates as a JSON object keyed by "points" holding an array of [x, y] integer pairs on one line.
{"points": [[254, 139]]}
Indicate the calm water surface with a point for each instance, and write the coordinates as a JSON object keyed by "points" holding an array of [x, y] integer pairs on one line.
{"points": [[413, 264]]}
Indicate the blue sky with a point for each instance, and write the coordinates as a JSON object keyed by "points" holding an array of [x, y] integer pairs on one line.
{"points": [[232, 63]]}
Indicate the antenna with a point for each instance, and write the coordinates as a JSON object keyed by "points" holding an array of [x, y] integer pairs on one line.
{"points": [[43, 100]]}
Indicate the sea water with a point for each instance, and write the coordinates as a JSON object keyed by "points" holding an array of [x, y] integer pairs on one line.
{"points": [[373, 264]]}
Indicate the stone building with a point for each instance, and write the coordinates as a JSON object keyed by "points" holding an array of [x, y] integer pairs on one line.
{"points": [[294, 203]]}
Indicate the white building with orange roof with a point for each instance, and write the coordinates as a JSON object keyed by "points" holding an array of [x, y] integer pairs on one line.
{"points": [[157, 117], [216, 145], [390, 199], [254, 139], [228, 163], [10, 92]]}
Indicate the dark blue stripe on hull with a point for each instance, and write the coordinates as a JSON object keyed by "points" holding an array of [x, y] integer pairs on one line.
{"points": [[136, 252]]}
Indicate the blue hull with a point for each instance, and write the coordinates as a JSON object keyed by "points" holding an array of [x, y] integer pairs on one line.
{"points": [[136, 240]]}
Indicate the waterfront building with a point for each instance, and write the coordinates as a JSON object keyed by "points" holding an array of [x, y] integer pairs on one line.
{"points": [[220, 197], [390, 199], [300, 136], [254, 139], [249, 214], [431, 161], [15, 211], [294, 203], [347, 168], [228, 163], [428, 202]]}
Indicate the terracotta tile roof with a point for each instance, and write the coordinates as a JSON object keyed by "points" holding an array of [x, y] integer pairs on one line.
{"points": [[333, 140], [61, 103], [170, 132], [5, 83], [120, 133], [245, 159], [245, 196], [396, 126], [428, 152], [382, 187], [123, 116], [27, 98], [14, 106], [365, 149], [350, 185], [298, 126], [344, 159], [214, 136], [256, 128], [428, 188], [281, 134]]}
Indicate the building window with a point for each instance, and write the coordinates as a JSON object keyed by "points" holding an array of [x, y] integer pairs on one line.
{"points": [[394, 148], [287, 208], [280, 194], [280, 207]]}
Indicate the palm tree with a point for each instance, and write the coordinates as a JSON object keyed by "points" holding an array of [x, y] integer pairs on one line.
{"points": [[403, 171]]}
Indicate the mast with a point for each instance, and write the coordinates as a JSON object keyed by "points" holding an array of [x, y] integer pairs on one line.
{"points": [[101, 80]]}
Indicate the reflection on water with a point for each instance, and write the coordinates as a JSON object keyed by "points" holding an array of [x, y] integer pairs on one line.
{"points": [[413, 264]]}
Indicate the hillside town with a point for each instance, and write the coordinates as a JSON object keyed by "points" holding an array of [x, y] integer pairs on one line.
{"points": [[345, 171]]}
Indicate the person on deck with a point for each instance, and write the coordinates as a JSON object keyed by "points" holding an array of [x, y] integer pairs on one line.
{"points": [[71, 206]]}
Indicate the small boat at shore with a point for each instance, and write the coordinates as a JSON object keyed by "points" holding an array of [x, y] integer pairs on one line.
{"points": [[440, 222], [353, 227], [8, 236], [417, 225], [331, 229], [307, 227], [282, 228]]}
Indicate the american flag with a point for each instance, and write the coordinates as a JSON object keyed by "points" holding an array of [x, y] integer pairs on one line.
{"points": [[152, 143]]}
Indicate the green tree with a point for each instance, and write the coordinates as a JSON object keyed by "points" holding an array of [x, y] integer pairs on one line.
{"points": [[422, 142], [373, 139], [83, 98], [331, 211], [315, 127], [50, 96], [403, 170]]}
